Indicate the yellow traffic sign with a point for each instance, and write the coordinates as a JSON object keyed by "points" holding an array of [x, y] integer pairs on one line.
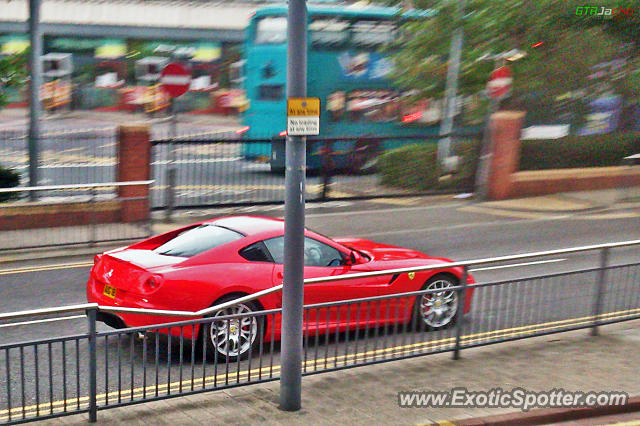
{"points": [[303, 107]]}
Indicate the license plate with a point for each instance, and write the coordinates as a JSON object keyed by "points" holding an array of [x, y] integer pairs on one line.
{"points": [[109, 291]]}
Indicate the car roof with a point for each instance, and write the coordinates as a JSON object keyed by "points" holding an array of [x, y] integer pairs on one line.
{"points": [[251, 225]]}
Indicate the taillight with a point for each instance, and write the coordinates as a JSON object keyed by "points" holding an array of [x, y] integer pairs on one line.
{"points": [[152, 283]]}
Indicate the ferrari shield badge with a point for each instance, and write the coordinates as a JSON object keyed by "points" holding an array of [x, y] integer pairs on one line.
{"points": [[411, 275]]}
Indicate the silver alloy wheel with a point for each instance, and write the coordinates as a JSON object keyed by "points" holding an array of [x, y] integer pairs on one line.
{"points": [[439, 308], [234, 336]]}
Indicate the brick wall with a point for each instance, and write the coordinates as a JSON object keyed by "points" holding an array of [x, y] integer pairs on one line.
{"points": [[134, 163]]}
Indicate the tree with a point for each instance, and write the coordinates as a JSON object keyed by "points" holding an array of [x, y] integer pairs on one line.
{"points": [[13, 73], [561, 49]]}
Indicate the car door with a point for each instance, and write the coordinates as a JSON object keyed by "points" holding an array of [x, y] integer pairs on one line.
{"points": [[324, 260]]}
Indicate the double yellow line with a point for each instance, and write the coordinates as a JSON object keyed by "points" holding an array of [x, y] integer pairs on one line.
{"points": [[334, 361], [28, 269]]}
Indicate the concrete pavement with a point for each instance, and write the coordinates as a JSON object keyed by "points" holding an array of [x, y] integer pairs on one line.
{"points": [[367, 395]]}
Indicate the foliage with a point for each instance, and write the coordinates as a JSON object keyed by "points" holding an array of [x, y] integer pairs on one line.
{"points": [[561, 67], [415, 167], [13, 73], [578, 151]]}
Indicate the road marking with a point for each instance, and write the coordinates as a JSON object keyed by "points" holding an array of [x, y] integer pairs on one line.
{"points": [[389, 210], [44, 268], [15, 324], [514, 265], [458, 226], [506, 213], [340, 360]]}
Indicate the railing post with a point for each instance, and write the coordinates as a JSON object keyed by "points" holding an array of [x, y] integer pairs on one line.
{"points": [[148, 228], [600, 283], [93, 408], [460, 311], [171, 183], [92, 217]]}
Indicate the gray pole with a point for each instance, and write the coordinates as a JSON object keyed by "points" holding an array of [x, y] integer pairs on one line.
{"points": [[484, 161], [482, 172], [171, 166], [35, 108], [451, 91], [293, 292]]}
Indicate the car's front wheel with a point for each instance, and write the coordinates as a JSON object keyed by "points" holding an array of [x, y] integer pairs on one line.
{"points": [[233, 338], [438, 309]]}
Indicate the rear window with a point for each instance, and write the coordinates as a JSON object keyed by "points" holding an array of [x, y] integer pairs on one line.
{"points": [[198, 240]]}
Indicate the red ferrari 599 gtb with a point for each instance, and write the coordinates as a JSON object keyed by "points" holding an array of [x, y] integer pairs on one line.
{"points": [[207, 263]]}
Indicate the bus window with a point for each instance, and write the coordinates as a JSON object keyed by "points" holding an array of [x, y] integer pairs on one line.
{"points": [[270, 92], [369, 33], [271, 30], [328, 32]]}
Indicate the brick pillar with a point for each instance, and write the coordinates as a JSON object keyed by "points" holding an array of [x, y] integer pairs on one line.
{"points": [[504, 131], [134, 163]]}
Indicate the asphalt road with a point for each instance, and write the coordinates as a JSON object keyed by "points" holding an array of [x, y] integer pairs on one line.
{"points": [[447, 229]]}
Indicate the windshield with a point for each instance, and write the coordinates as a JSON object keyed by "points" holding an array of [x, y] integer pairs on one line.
{"points": [[198, 240]]}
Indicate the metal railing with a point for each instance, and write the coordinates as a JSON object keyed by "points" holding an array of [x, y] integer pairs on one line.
{"points": [[226, 171], [96, 370], [67, 157], [91, 199]]}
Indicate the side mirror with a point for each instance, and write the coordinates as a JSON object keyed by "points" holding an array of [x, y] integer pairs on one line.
{"points": [[352, 258]]}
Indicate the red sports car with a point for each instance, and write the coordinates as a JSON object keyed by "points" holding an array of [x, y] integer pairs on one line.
{"points": [[207, 263]]}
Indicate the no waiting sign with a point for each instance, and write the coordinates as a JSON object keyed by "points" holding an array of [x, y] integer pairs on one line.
{"points": [[303, 116]]}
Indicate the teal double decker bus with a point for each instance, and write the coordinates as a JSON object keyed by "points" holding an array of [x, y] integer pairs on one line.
{"points": [[346, 70]]}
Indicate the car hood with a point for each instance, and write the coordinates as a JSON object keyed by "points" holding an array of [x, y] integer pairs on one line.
{"points": [[381, 252]]}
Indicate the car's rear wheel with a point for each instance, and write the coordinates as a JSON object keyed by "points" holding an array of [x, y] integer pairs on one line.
{"points": [[233, 338], [438, 309]]}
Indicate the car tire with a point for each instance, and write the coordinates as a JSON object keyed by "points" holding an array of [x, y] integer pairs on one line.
{"points": [[231, 339], [439, 310]]}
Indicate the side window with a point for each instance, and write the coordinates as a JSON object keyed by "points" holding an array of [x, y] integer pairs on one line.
{"points": [[256, 252], [276, 248], [315, 252], [320, 254]]}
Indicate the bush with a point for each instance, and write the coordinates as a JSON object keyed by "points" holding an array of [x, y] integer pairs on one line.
{"points": [[415, 167], [578, 151], [8, 179]]}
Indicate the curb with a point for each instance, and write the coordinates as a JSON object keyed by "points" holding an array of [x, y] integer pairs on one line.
{"points": [[549, 415], [592, 209]]}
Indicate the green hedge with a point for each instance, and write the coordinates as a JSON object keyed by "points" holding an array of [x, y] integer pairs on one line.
{"points": [[8, 179], [415, 167], [578, 151]]}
